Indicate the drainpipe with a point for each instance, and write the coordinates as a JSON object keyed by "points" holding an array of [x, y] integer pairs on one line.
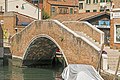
{"points": [[38, 9], [111, 5], [76, 2], [6, 5]]}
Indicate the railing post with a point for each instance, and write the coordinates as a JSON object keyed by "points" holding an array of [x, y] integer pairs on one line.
{"points": [[100, 59]]}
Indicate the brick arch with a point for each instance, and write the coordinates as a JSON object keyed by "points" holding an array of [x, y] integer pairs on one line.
{"points": [[77, 49], [47, 37]]}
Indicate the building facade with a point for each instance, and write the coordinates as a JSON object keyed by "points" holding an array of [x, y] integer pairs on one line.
{"points": [[53, 7], [20, 6], [115, 25], [94, 5]]}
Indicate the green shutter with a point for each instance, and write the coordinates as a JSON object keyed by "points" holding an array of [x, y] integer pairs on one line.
{"points": [[71, 10], [108, 0], [86, 1], [102, 0], [96, 1], [89, 1]]}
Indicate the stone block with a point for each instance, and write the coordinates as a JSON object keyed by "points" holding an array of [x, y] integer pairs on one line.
{"points": [[1, 62], [16, 62], [1, 51]]}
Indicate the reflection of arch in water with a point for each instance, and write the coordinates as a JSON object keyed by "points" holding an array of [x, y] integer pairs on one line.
{"points": [[41, 50], [6, 34], [1, 36]]}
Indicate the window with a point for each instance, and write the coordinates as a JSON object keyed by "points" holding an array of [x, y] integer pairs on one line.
{"points": [[101, 10], [80, 5], [63, 10], [95, 1], [117, 33], [107, 10], [88, 1], [35, 1], [71, 10], [94, 10], [53, 10], [104, 23], [108, 0], [87, 10], [102, 0]]}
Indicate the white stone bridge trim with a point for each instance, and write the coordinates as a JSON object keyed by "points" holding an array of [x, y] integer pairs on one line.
{"points": [[75, 34]]}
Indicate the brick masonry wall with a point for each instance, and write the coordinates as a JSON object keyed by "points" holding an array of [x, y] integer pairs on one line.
{"points": [[23, 18], [9, 23], [20, 28], [116, 3], [47, 7], [82, 27], [112, 44], [75, 49]]}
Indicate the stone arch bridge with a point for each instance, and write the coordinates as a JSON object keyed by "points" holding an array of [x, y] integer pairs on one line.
{"points": [[40, 39]]}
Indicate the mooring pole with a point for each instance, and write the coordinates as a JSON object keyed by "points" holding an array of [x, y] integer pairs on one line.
{"points": [[117, 69], [38, 9]]}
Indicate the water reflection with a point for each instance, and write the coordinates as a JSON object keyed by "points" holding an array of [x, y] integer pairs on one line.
{"points": [[41, 73], [5, 73]]}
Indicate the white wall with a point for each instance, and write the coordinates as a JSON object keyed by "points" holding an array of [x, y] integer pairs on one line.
{"points": [[2, 3], [93, 6], [28, 10]]}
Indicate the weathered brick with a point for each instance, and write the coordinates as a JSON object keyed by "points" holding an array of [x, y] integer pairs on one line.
{"points": [[75, 49]]}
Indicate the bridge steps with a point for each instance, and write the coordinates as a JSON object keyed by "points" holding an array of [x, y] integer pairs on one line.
{"points": [[111, 53], [88, 38]]}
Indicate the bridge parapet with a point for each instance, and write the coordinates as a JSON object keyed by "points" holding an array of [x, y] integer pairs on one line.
{"points": [[75, 49], [87, 29]]}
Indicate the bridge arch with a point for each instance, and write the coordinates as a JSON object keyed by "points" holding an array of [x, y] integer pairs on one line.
{"points": [[42, 38], [76, 48]]}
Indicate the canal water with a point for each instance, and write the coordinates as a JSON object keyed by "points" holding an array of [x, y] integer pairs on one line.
{"points": [[34, 73]]}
